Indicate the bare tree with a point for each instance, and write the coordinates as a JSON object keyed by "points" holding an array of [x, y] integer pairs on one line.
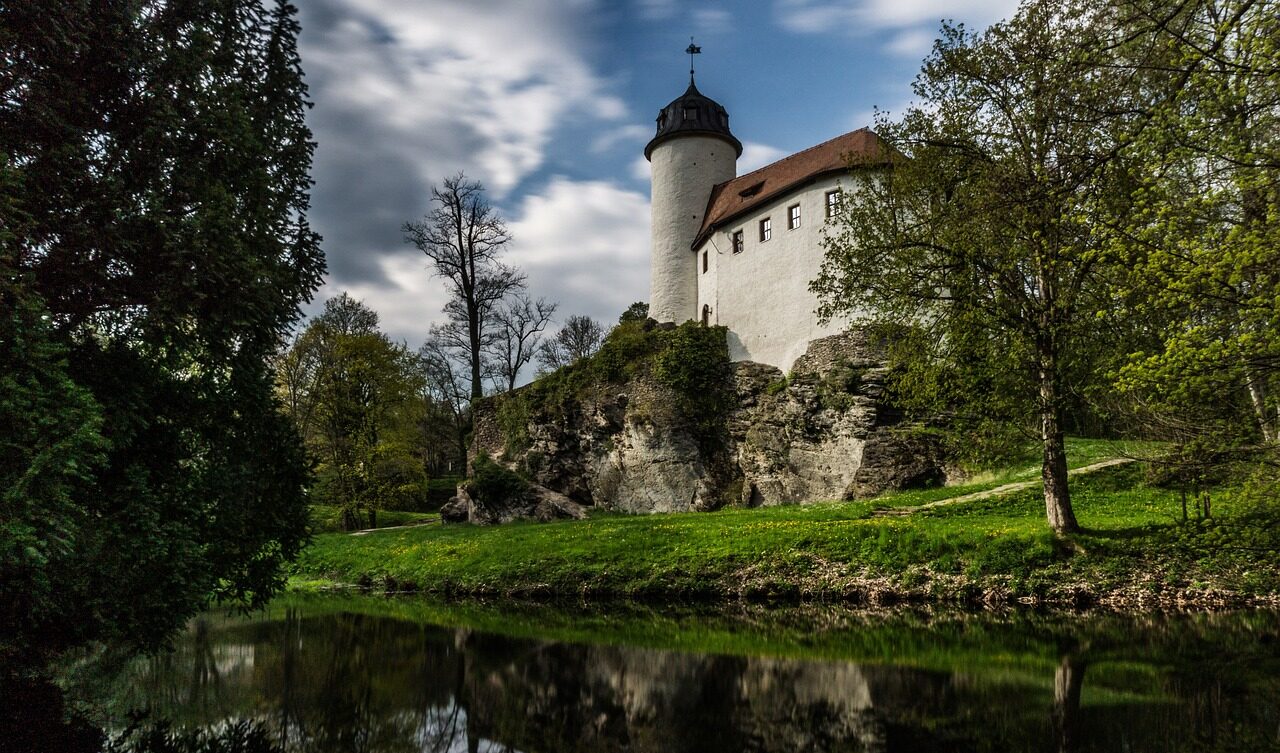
{"points": [[580, 337], [517, 335], [463, 237]]}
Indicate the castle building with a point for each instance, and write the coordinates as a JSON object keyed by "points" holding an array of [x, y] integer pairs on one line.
{"points": [[741, 250]]}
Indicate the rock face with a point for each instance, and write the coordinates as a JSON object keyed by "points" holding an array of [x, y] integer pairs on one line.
{"points": [[822, 433], [537, 503]]}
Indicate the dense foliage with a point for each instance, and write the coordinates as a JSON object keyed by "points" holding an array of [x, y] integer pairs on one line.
{"points": [[361, 405], [154, 249], [495, 484], [1203, 240], [1083, 200]]}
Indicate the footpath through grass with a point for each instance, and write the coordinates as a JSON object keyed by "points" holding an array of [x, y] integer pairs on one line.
{"points": [[1135, 550], [328, 518]]}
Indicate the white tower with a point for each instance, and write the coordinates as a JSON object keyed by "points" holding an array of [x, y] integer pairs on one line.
{"points": [[691, 153]]}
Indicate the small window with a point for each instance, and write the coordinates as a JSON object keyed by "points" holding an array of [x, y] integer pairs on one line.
{"points": [[706, 314], [793, 216], [704, 262], [690, 113], [737, 241], [833, 203], [766, 229]]}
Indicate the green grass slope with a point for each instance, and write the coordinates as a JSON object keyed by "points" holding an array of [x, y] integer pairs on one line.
{"points": [[1135, 550]]}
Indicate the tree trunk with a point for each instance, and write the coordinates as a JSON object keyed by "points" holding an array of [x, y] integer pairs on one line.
{"points": [[1067, 683], [477, 387], [1258, 396], [1057, 493], [473, 333]]}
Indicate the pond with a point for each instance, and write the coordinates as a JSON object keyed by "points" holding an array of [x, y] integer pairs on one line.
{"points": [[378, 674]]}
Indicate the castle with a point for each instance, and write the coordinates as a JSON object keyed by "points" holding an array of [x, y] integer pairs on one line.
{"points": [[740, 250]]}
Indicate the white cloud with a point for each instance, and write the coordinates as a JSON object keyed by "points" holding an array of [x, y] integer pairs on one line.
{"points": [[454, 84], [912, 43], [813, 16], [623, 134], [916, 21], [640, 169], [584, 244], [755, 156], [408, 299], [712, 20]]}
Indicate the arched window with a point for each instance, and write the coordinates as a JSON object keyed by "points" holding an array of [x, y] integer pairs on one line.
{"points": [[706, 315]]}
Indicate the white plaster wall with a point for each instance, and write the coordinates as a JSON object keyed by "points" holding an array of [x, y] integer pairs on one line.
{"points": [[762, 294], [684, 171]]}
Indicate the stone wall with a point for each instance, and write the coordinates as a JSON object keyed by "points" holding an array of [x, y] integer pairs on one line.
{"points": [[825, 433]]}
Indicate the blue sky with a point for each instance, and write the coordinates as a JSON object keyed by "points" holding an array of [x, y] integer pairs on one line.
{"points": [[550, 103]]}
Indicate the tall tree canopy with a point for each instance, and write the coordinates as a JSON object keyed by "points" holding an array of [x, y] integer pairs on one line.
{"points": [[155, 249], [359, 402], [990, 237], [1203, 244]]}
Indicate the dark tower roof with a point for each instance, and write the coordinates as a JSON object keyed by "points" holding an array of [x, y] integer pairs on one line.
{"points": [[692, 114]]}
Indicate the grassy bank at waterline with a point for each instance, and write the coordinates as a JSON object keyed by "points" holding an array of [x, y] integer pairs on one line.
{"points": [[1136, 551]]}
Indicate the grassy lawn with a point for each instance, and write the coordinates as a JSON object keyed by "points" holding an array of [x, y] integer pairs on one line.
{"points": [[1135, 542], [1080, 453]]}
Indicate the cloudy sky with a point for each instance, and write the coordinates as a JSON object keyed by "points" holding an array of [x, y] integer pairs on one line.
{"points": [[549, 104]]}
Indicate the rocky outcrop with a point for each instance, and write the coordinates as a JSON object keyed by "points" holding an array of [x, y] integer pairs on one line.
{"points": [[823, 432], [535, 502]]}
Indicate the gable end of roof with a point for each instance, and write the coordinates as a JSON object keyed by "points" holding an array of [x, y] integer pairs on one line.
{"points": [[745, 193]]}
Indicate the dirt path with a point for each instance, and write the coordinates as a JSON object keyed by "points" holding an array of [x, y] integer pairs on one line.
{"points": [[1017, 486], [427, 522]]}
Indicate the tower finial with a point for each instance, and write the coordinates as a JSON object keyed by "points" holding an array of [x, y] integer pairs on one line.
{"points": [[692, 49]]}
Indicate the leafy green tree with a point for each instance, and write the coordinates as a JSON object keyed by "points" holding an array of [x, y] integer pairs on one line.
{"points": [[153, 194], [357, 401], [636, 312], [1203, 243], [986, 238]]}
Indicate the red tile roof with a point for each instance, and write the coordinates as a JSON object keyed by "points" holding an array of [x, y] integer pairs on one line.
{"points": [[733, 198]]}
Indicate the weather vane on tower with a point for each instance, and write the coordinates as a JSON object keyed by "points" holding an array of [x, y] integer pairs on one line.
{"points": [[692, 49]]}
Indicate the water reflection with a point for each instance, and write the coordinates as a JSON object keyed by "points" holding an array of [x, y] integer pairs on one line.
{"points": [[356, 682]]}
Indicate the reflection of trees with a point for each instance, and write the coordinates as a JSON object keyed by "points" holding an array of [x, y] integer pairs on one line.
{"points": [[353, 682], [1068, 680], [288, 643], [359, 689], [206, 680]]}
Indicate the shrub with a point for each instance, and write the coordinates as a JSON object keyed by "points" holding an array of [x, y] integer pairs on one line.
{"points": [[493, 483], [695, 365]]}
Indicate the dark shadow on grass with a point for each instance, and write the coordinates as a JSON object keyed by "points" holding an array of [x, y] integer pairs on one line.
{"points": [[1130, 533]]}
